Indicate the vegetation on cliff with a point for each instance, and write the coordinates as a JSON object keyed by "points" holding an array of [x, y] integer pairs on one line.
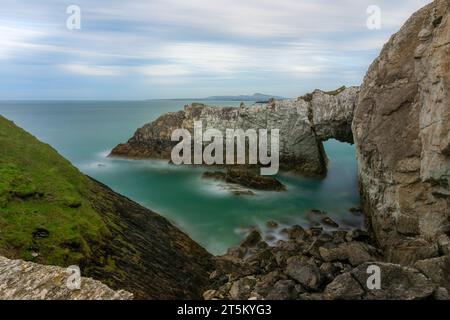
{"points": [[51, 213]]}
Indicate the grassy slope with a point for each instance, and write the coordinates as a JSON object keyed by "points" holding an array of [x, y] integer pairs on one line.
{"points": [[43, 202], [51, 213]]}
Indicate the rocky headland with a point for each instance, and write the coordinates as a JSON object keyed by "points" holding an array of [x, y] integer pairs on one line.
{"points": [[303, 123]]}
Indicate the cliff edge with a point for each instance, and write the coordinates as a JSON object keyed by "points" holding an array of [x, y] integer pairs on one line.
{"points": [[402, 134]]}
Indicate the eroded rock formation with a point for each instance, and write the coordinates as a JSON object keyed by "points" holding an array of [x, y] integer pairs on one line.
{"points": [[303, 123], [21, 280], [402, 133]]}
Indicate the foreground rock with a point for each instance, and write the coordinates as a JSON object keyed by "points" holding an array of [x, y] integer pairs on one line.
{"points": [[303, 123], [21, 280], [401, 129], [312, 264]]}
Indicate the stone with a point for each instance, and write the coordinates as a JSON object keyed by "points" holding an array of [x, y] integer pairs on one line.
{"points": [[329, 271], [253, 238], [441, 294], [443, 244], [272, 224], [397, 282], [210, 294], [329, 222], [246, 178], [266, 282], [283, 290], [354, 252], [343, 287], [307, 274], [242, 288], [357, 235], [296, 232], [437, 269], [22, 280], [407, 251]]}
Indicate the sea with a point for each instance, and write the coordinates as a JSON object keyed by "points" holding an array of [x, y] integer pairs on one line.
{"points": [[85, 131]]}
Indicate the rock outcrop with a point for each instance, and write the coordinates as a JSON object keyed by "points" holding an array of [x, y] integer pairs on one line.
{"points": [[22, 280], [303, 123], [402, 134]]}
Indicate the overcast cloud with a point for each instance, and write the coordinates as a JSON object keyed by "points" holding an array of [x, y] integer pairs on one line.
{"points": [[173, 48]]}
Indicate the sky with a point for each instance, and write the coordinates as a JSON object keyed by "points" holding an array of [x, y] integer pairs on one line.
{"points": [[151, 49]]}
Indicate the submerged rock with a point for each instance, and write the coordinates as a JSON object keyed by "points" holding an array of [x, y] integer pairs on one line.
{"points": [[247, 179]]}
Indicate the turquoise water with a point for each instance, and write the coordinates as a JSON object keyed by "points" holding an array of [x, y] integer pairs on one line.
{"points": [[84, 132]]}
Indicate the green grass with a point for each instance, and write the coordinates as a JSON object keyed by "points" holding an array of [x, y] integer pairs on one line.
{"points": [[45, 211]]}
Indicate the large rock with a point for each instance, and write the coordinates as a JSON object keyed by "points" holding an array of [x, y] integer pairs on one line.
{"points": [[21, 280], [437, 269], [355, 252], [343, 287], [401, 129], [397, 282], [303, 123], [305, 273]]}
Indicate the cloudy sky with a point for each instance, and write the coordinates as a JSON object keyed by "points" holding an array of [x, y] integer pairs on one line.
{"points": [[147, 49]]}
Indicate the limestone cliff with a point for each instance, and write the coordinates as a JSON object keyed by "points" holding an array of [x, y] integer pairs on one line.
{"points": [[22, 280], [402, 133], [303, 123]]}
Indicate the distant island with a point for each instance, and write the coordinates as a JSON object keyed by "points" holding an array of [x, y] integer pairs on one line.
{"points": [[258, 97], [254, 97]]}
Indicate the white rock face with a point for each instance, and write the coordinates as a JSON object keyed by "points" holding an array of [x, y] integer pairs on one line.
{"points": [[21, 280], [303, 123], [401, 130]]}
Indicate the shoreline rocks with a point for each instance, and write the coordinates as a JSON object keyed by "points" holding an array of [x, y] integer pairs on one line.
{"points": [[313, 265]]}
